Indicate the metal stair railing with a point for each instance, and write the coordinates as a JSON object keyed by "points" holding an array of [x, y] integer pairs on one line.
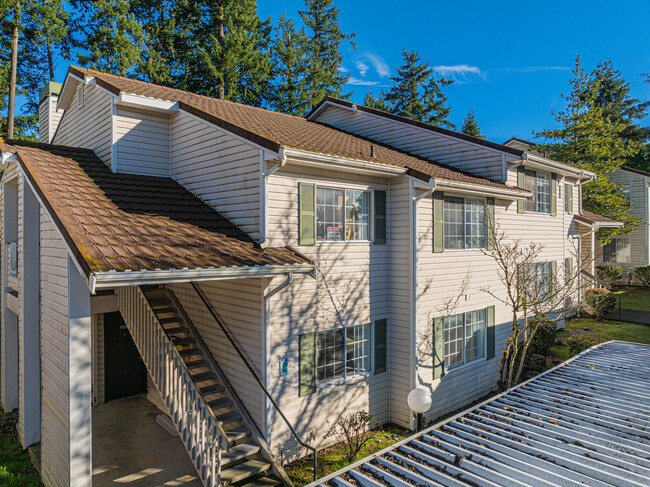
{"points": [[256, 376], [203, 436]]}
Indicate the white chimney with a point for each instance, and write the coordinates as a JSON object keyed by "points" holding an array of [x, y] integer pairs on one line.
{"points": [[48, 116]]}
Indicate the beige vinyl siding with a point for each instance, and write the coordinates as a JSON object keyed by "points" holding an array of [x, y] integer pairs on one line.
{"points": [[473, 158], [639, 239], [351, 289], [220, 169], [55, 447], [98, 359], [48, 119], [440, 278], [142, 142], [239, 303], [89, 126]]}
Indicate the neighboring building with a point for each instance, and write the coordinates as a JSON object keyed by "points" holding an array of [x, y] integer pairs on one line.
{"points": [[235, 244]]}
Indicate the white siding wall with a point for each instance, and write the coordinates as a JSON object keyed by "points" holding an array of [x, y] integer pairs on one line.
{"points": [[89, 126], [239, 303], [352, 288], [55, 449], [221, 170], [48, 119], [142, 142], [473, 158]]}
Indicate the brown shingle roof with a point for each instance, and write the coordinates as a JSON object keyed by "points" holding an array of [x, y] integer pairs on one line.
{"points": [[274, 130], [124, 221]]}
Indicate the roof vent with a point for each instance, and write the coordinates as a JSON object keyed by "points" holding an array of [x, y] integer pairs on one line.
{"points": [[80, 96]]}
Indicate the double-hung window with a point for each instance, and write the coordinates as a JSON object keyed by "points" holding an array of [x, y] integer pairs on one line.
{"points": [[538, 281], [539, 184], [343, 352], [342, 214], [617, 251], [465, 224], [464, 337]]}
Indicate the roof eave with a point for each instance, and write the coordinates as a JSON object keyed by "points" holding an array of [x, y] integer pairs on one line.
{"points": [[462, 187], [344, 163], [111, 279]]}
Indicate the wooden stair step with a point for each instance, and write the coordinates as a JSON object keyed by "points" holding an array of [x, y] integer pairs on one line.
{"points": [[222, 402], [268, 481], [164, 311], [189, 352], [238, 433], [196, 364], [170, 321], [238, 452], [183, 341], [243, 471], [176, 331], [160, 303], [229, 417], [203, 376], [212, 389]]}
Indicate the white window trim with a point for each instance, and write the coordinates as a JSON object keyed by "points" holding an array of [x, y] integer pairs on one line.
{"points": [[346, 377], [371, 223]]}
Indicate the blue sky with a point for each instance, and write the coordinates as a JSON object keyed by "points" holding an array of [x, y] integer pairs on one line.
{"points": [[511, 60]]}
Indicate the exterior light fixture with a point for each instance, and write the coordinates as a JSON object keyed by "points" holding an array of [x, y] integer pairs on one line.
{"points": [[419, 400]]}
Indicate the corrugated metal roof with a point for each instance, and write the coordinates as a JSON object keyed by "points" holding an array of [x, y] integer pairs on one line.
{"points": [[584, 422]]}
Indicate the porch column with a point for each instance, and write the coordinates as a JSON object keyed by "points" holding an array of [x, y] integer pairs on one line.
{"points": [[80, 377], [30, 407]]}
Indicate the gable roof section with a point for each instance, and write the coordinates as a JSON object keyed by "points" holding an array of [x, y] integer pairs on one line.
{"points": [[635, 171], [125, 222], [583, 422], [274, 130], [599, 221]]}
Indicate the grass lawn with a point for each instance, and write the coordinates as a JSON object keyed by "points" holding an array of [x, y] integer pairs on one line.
{"points": [[16, 468], [582, 333], [634, 297], [332, 459]]}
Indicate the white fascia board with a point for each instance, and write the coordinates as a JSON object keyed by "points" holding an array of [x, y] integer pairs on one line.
{"points": [[462, 187], [111, 279], [539, 162], [146, 103], [301, 157]]}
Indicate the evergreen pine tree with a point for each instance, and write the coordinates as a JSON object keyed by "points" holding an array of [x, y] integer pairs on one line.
{"points": [[378, 103], [321, 18], [289, 59], [416, 93], [470, 125], [591, 139], [113, 36]]}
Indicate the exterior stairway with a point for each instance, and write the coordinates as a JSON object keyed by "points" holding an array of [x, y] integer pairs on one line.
{"points": [[248, 460]]}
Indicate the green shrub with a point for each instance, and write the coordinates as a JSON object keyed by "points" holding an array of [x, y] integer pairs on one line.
{"points": [[544, 338], [601, 301], [610, 274], [642, 273], [579, 344]]}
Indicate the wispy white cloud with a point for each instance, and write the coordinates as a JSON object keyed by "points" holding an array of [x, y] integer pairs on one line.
{"points": [[462, 71], [362, 67], [361, 82], [341, 69], [379, 64]]}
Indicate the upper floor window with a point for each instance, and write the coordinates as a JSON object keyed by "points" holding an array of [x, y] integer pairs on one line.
{"points": [[342, 214], [464, 337], [343, 352], [617, 251], [625, 191], [539, 184], [464, 223]]}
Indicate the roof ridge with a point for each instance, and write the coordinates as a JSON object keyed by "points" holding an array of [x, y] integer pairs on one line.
{"points": [[45, 145]]}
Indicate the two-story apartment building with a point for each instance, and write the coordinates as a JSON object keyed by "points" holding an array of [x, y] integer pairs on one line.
{"points": [[273, 272]]}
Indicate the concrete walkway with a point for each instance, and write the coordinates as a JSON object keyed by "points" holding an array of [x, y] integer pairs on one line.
{"points": [[630, 316], [130, 448]]}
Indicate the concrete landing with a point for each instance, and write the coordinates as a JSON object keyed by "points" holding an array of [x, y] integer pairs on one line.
{"points": [[129, 448]]}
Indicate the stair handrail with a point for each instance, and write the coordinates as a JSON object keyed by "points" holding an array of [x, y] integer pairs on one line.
{"points": [[256, 376], [218, 424]]}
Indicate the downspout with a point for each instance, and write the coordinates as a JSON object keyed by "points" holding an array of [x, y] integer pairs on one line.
{"points": [[264, 210], [267, 350], [414, 279], [514, 164], [580, 180]]}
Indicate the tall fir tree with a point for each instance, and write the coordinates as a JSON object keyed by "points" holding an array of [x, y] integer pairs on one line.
{"points": [[289, 57], [113, 36], [321, 17], [378, 102], [470, 125], [417, 94], [592, 139]]}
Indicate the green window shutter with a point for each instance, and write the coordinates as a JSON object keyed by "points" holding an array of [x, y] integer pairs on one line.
{"points": [[568, 269], [553, 194], [568, 195], [380, 217], [491, 224], [521, 183], [307, 364], [491, 335], [380, 346], [554, 276], [438, 347], [307, 210], [438, 221]]}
